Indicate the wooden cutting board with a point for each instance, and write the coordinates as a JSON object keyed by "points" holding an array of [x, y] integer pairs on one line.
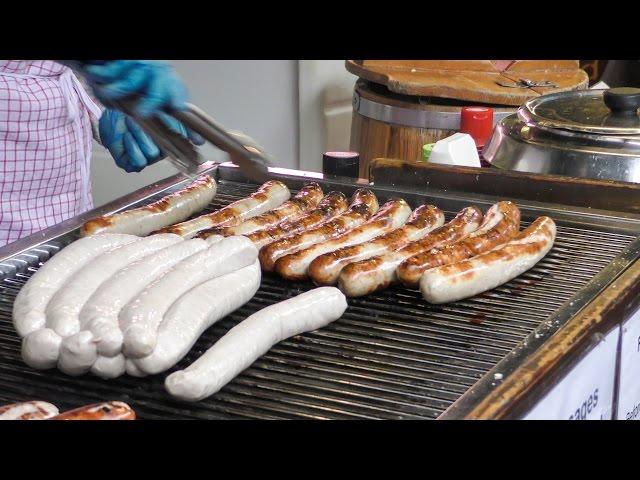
{"points": [[471, 80]]}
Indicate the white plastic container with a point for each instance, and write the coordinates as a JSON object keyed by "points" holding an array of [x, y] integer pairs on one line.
{"points": [[458, 149]]}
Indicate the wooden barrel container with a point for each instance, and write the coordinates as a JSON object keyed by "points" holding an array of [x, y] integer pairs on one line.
{"points": [[390, 125], [399, 105]]}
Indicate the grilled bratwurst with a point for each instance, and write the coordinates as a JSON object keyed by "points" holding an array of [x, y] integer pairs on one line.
{"points": [[168, 210], [270, 195], [326, 269], [488, 270], [377, 273], [363, 204]]}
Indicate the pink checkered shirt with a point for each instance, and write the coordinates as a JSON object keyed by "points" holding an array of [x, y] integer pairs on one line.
{"points": [[45, 147]]}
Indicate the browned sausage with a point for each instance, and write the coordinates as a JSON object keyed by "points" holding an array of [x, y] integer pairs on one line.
{"points": [[332, 205], [99, 411], [367, 276], [270, 195], [166, 211], [326, 269], [391, 216], [504, 225], [306, 199], [33, 410], [488, 270], [363, 204]]}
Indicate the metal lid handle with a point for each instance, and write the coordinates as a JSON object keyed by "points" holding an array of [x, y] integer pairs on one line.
{"points": [[622, 101]]}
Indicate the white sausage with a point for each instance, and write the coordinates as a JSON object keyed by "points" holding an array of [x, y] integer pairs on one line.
{"points": [[75, 358], [64, 308], [40, 349], [196, 311], [252, 338], [33, 298], [109, 367], [132, 369], [483, 272], [140, 318], [168, 210], [100, 313], [79, 351]]}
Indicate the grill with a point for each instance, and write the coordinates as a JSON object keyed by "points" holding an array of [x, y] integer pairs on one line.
{"points": [[391, 356]]}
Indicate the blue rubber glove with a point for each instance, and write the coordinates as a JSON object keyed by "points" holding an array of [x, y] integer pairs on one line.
{"points": [[155, 82], [129, 145]]}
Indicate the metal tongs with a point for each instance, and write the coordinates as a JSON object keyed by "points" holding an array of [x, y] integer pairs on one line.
{"points": [[250, 157]]}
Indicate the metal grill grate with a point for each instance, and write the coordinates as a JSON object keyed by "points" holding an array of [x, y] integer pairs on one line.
{"points": [[391, 356]]}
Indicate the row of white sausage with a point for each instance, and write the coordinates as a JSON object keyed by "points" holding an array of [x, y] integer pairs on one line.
{"points": [[112, 303]]}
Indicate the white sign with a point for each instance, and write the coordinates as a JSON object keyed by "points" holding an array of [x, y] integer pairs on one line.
{"points": [[586, 392], [629, 380]]}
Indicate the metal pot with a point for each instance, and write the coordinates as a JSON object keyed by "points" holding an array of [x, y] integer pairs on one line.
{"points": [[588, 133]]}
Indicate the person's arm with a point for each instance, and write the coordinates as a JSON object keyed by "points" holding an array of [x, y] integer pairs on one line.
{"points": [[155, 85]]}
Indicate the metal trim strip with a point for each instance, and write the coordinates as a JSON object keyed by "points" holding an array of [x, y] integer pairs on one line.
{"points": [[412, 118]]}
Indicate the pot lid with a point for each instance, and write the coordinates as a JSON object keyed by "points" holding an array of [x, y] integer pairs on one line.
{"points": [[611, 112]]}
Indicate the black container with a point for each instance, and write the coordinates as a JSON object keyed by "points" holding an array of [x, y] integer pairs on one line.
{"points": [[344, 164]]}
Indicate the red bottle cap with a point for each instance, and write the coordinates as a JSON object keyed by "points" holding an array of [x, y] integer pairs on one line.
{"points": [[477, 122]]}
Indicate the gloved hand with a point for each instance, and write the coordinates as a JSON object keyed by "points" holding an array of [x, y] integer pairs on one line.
{"points": [[155, 82], [129, 145]]}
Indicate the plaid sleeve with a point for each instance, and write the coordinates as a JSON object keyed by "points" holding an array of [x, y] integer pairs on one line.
{"points": [[94, 121]]}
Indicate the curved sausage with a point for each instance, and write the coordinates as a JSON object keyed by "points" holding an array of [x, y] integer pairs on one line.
{"points": [[363, 204], [194, 312], [166, 211], [391, 215], [326, 269], [32, 300], [64, 308], [377, 273], [488, 270], [306, 199], [109, 367], [270, 195], [100, 313], [504, 224], [99, 411], [40, 347], [332, 205], [252, 338], [33, 410], [79, 351], [132, 369], [140, 318]]}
